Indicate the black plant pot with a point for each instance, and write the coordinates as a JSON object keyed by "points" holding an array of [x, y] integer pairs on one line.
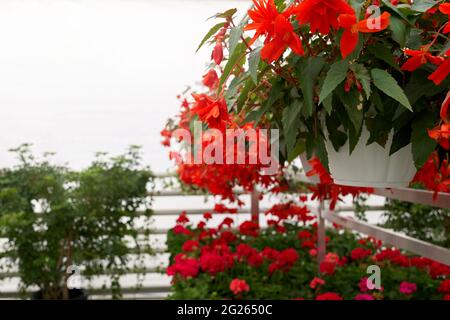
{"points": [[74, 294]]}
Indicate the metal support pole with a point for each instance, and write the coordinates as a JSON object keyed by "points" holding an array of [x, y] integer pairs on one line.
{"points": [[255, 206], [321, 244]]}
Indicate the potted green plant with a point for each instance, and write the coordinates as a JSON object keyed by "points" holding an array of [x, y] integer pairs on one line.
{"points": [[359, 83], [56, 221]]}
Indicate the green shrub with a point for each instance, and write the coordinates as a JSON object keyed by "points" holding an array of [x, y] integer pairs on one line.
{"points": [[53, 218]]}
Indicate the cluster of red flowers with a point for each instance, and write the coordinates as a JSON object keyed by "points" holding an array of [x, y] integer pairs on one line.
{"points": [[434, 175], [290, 210], [326, 189], [394, 256], [420, 57], [321, 15], [218, 250]]}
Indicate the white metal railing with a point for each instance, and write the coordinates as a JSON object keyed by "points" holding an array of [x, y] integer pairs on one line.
{"points": [[396, 239], [323, 214]]}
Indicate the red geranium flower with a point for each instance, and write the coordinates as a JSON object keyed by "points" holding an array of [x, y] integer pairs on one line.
{"points": [[249, 228], [179, 229], [190, 246], [352, 28], [444, 287], [360, 253], [407, 287], [316, 282], [329, 296], [420, 57], [182, 218], [237, 286], [185, 267], [322, 14]]}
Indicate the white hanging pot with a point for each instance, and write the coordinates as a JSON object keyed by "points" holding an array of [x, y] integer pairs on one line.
{"points": [[307, 167], [371, 166]]}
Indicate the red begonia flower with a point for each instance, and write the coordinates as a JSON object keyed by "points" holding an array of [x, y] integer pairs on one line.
{"points": [[322, 14], [420, 57], [441, 73], [210, 110], [352, 28], [284, 37], [445, 9], [263, 16], [442, 135]]}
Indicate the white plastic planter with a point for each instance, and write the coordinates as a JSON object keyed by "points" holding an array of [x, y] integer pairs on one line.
{"points": [[371, 166]]}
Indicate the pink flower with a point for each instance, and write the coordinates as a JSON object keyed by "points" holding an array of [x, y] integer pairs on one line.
{"points": [[238, 286], [316, 282], [408, 287], [364, 296], [329, 296]]}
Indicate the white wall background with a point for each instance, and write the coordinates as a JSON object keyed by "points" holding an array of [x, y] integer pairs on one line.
{"points": [[80, 76]]}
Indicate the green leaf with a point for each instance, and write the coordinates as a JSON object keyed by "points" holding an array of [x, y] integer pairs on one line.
{"points": [[396, 9], [401, 139], [328, 104], [399, 30], [422, 144], [423, 5], [235, 36], [253, 63], [291, 124], [383, 53], [225, 15], [386, 83], [350, 100], [353, 138], [363, 76], [336, 74], [232, 62], [210, 33], [299, 148], [310, 69]]}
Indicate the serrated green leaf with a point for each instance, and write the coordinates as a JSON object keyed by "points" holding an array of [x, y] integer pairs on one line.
{"points": [[334, 77], [291, 123], [423, 5], [363, 76], [310, 69], [328, 103], [235, 36], [210, 33], [383, 53], [232, 62], [253, 62], [386, 83], [227, 14], [399, 30], [299, 148], [350, 100], [422, 144]]}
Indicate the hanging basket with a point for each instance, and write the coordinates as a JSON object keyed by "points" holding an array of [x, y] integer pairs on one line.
{"points": [[371, 165]]}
